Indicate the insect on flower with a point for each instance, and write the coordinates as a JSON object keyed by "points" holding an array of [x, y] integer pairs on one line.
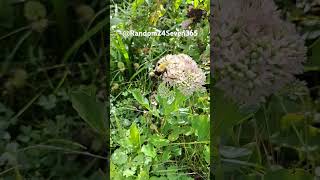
{"points": [[161, 68], [182, 72]]}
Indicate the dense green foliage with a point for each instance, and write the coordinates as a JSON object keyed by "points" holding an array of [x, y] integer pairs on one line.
{"points": [[156, 131], [48, 49], [53, 106]]}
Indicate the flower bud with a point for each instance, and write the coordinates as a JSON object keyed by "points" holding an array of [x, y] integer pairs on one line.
{"points": [[121, 66], [136, 66]]}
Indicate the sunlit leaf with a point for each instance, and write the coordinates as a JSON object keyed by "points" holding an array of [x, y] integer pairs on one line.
{"points": [[134, 135], [140, 98], [149, 150], [177, 4], [119, 157], [158, 141]]}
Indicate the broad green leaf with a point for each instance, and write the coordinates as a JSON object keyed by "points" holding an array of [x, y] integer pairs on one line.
{"points": [[90, 90], [177, 4], [226, 113], [201, 124], [134, 135], [129, 172], [175, 150], [149, 150], [138, 160], [166, 155], [161, 10], [173, 136], [119, 157], [158, 141], [90, 110], [140, 98]]}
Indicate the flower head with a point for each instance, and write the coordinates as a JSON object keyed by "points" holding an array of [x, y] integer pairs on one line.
{"points": [[256, 53], [182, 72]]}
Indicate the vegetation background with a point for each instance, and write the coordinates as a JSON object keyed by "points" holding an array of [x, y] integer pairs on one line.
{"points": [[156, 131], [54, 93], [53, 62], [280, 138]]}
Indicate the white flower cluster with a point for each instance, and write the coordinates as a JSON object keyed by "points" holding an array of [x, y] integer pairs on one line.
{"points": [[256, 53], [182, 71]]}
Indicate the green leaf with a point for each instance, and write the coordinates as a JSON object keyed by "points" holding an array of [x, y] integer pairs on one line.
{"points": [[158, 141], [195, 3], [140, 98], [177, 4], [149, 150], [291, 118], [166, 155], [138, 160], [227, 113], [173, 136], [122, 48], [129, 172], [134, 135], [135, 5], [119, 157], [89, 90], [143, 175], [175, 150], [201, 124], [90, 110]]}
